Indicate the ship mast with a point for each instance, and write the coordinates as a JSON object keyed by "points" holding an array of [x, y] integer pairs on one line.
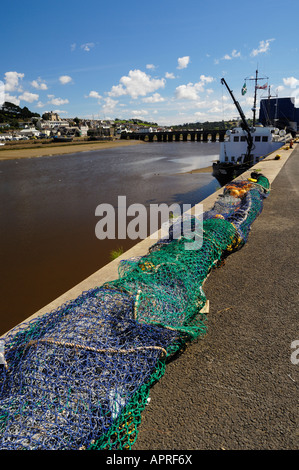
{"points": [[254, 103], [255, 93]]}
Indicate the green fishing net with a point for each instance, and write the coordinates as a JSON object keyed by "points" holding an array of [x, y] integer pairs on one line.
{"points": [[79, 377]]}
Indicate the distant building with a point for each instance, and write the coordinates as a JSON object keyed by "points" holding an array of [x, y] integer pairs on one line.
{"points": [[279, 111], [100, 131], [83, 130], [42, 124], [51, 116], [146, 130], [29, 132]]}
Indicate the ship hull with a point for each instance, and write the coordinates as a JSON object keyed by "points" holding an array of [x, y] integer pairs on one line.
{"points": [[226, 172], [62, 139]]}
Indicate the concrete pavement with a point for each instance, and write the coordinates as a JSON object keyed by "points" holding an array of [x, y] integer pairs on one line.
{"points": [[237, 388]]}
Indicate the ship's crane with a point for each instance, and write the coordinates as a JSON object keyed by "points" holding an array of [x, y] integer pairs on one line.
{"points": [[244, 124]]}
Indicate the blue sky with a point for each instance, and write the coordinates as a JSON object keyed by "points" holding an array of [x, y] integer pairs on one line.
{"points": [[161, 61]]}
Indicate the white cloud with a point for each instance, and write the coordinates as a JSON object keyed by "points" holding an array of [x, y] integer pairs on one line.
{"points": [[139, 113], [169, 75], [117, 90], [109, 106], [139, 83], [87, 46], [94, 94], [247, 101], [29, 97], [264, 46], [230, 107], [209, 103], [280, 88], [213, 109], [191, 90], [136, 83], [64, 79], [236, 54], [40, 104], [59, 111], [12, 99], [295, 94], [73, 46], [187, 92], [150, 66], [205, 79], [2, 93], [183, 62], [233, 55], [291, 82], [155, 98], [12, 81], [198, 114], [57, 101], [39, 84]]}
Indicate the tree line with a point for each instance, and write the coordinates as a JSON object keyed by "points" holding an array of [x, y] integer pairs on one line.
{"points": [[209, 125], [11, 114]]}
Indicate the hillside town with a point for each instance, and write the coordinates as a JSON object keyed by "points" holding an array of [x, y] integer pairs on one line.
{"points": [[20, 124], [51, 126]]}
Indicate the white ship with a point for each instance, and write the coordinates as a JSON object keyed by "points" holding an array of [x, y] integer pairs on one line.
{"points": [[245, 146]]}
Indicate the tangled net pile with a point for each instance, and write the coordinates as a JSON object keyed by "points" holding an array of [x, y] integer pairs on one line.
{"points": [[79, 377]]}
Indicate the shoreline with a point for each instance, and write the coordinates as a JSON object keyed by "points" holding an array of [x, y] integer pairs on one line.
{"points": [[207, 169], [48, 151]]}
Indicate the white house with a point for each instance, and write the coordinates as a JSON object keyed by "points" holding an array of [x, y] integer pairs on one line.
{"points": [[29, 132]]}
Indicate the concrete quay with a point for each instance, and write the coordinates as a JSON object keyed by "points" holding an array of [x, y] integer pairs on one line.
{"points": [[235, 388]]}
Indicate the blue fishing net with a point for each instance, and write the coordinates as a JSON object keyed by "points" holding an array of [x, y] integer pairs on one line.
{"points": [[79, 377]]}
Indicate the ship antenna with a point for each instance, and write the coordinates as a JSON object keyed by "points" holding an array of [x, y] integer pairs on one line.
{"points": [[255, 93]]}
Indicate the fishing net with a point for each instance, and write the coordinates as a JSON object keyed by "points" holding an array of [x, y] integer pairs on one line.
{"points": [[79, 377]]}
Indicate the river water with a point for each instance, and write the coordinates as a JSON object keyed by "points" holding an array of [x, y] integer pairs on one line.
{"points": [[47, 213]]}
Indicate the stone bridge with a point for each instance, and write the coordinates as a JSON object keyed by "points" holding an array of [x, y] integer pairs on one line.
{"points": [[177, 136]]}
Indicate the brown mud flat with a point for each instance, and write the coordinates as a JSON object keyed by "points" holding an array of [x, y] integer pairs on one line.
{"points": [[63, 149]]}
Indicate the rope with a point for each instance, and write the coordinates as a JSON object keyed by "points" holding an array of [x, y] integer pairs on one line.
{"points": [[90, 348]]}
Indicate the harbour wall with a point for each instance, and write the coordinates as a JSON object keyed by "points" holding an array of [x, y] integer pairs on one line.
{"points": [[270, 167]]}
